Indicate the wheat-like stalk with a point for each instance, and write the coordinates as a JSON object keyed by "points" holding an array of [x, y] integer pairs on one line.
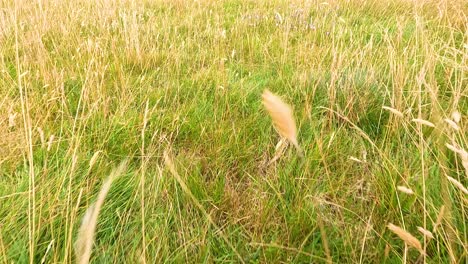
{"points": [[426, 232], [423, 122], [463, 155], [393, 110], [85, 238], [452, 124], [282, 116], [50, 142], [458, 184], [93, 159], [356, 159], [405, 189], [279, 150], [440, 217], [407, 237]]}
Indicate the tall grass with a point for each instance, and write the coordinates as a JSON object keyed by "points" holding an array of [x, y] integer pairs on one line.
{"points": [[379, 95]]}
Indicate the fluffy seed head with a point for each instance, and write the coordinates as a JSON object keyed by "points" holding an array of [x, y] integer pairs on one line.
{"points": [[393, 110], [456, 116], [41, 136], [407, 237], [425, 232], [423, 122], [458, 184], [462, 153], [440, 217], [452, 124], [404, 189], [453, 148], [282, 116]]}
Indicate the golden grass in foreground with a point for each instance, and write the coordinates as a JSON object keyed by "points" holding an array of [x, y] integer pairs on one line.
{"points": [[85, 237]]}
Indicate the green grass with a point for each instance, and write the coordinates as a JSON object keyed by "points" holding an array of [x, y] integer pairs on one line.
{"points": [[83, 72]]}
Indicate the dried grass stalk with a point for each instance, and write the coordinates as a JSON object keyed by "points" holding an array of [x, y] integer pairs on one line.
{"points": [[94, 158], [404, 189], [50, 142], [458, 184], [423, 122], [279, 150], [440, 217], [452, 124], [425, 232], [85, 238], [356, 159], [407, 237], [463, 155], [393, 110]]}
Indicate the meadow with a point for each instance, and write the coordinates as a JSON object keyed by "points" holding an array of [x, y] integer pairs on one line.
{"points": [[164, 99]]}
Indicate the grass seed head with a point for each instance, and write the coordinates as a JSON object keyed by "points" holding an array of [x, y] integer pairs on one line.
{"points": [[456, 116], [404, 189], [452, 124], [393, 110], [423, 122], [282, 116], [458, 184], [407, 237], [425, 232]]}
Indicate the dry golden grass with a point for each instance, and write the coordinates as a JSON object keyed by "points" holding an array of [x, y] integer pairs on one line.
{"points": [[85, 238], [407, 237], [86, 84], [405, 189], [282, 116], [425, 232], [423, 122], [458, 184], [393, 110]]}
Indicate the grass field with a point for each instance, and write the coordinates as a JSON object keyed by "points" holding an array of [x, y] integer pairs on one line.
{"points": [[173, 89]]}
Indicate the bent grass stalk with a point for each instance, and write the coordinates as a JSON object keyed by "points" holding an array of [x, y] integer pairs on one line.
{"points": [[85, 238]]}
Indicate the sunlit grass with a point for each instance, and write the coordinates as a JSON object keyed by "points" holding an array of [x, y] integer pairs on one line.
{"points": [[85, 85]]}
